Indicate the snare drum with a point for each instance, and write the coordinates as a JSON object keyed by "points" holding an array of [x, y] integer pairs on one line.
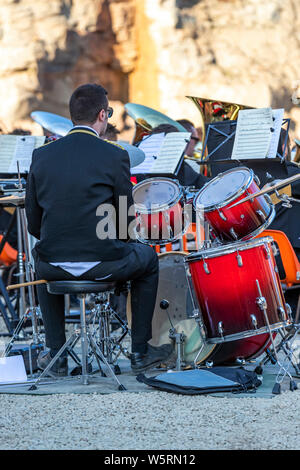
{"points": [[224, 281], [160, 217], [243, 221]]}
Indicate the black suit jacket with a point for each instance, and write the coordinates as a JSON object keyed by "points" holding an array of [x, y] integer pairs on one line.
{"points": [[68, 180]]}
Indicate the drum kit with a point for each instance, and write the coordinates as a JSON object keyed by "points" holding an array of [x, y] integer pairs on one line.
{"points": [[224, 303]]}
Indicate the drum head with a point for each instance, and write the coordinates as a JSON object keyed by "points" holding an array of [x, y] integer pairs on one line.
{"points": [[173, 287], [223, 188], [155, 193]]}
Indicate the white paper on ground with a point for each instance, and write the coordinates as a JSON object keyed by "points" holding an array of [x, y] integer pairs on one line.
{"points": [[12, 369]]}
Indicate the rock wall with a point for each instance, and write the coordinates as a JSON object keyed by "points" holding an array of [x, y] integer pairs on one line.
{"points": [[48, 48], [153, 52]]}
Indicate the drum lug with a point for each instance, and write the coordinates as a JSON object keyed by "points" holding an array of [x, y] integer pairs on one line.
{"points": [[261, 302], [239, 260], [267, 251], [223, 217], [268, 197], [220, 329], [254, 321], [289, 311], [274, 249], [281, 313], [196, 314], [256, 179], [206, 268], [233, 234], [261, 215]]}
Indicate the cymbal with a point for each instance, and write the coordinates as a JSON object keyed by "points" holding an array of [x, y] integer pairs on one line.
{"points": [[268, 189], [15, 200], [136, 155], [59, 125]]}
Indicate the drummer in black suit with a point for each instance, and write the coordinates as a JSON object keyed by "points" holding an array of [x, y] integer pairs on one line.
{"points": [[71, 185]]}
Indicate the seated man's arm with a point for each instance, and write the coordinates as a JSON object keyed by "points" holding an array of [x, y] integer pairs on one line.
{"points": [[123, 197]]}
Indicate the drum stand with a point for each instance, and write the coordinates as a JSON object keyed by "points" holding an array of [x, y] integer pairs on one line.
{"points": [[179, 338], [284, 346], [25, 274], [111, 347]]}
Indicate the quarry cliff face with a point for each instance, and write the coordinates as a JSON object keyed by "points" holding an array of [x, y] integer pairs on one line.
{"points": [[152, 52]]}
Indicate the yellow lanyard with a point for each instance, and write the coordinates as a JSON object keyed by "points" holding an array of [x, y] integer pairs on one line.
{"points": [[83, 131]]}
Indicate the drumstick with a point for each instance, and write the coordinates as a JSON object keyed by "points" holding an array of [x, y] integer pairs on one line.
{"points": [[268, 190], [24, 284]]}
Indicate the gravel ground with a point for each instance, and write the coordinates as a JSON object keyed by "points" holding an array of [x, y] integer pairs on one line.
{"points": [[149, 421]]}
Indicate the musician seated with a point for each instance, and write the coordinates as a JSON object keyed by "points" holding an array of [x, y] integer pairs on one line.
{"points": [[73, 183]]}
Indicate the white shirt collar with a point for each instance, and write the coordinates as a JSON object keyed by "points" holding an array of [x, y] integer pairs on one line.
{"points": [[88, 127]]}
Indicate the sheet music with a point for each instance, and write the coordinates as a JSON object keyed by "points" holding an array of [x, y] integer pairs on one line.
{"points": [[163, 152], [151, 147], [277, 123], [19, 148], [253, 134]]}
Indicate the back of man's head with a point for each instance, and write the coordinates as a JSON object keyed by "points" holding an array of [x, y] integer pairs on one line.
{"points": [[166, 128], [188, 125], [86, 103]]}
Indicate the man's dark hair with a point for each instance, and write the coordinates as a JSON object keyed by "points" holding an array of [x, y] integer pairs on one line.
{"points": [[86, 103], [166, 128], [188, 125], [19, 131]]}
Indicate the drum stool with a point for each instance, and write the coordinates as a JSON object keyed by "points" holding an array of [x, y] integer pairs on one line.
{"points": [[81, 289]]}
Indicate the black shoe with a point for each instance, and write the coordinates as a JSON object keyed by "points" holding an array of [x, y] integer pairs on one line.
{"points": [[152, 358], [59, 368], [78, 370]]}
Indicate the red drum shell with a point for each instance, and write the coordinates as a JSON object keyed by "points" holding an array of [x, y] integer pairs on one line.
{"points": [[246, 219], [167, 222], [226, 290]]}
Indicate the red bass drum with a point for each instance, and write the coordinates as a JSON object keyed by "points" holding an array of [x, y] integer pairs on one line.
{"points": [[231, 284]]}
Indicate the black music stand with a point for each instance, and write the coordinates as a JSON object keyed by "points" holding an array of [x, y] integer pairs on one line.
{"points": [[219, 142]]}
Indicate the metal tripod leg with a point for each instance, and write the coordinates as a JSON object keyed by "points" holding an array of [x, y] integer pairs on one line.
{"points": [[103, 358], [261, 301], [52, 362]]}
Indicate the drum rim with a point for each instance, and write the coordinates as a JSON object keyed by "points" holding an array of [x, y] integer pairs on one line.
{"points": [[228, 249], [248, 333], [242, 189], [154, 210]]}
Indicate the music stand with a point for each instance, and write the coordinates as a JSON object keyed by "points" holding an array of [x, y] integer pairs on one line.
{"points": [[219, 142]]}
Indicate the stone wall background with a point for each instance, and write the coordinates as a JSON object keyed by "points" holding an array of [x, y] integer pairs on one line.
{"points": [[153, 52]]}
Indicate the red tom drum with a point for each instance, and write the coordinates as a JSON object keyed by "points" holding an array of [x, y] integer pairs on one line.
{"points": [[231, 284], [159, 207], [243, 221]]}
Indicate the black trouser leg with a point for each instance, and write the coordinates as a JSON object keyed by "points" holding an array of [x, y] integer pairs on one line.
{"points": [[140, 267], [53, 313], [143, 298]]}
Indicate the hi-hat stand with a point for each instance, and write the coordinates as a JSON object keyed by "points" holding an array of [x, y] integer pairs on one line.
{"points": [[25, 273]]}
